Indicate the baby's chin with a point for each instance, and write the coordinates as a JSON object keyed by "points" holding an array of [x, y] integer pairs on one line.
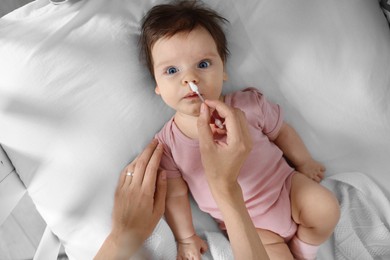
{"points": [[195, 111]]}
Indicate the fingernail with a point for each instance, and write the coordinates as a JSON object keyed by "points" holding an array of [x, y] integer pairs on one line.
{"points": [[163, 175]]}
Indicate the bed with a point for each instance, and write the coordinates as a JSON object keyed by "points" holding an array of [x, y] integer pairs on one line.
{"points": [[77, 105]]}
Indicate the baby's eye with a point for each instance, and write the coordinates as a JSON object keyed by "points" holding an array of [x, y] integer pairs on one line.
{"points": [[204, 64], [171, 70]]}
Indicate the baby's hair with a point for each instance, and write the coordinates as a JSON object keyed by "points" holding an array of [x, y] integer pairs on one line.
{"points": [[166, 20]]}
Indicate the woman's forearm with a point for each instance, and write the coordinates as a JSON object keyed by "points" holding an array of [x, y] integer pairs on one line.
{"points": [[119, 246], [245, 241]]}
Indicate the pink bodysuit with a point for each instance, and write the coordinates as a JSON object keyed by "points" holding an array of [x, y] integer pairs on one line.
{"points": [[265, 177]]}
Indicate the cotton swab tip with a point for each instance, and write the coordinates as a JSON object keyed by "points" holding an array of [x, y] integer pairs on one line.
{"points": [[193, 86], [218, 123], [195, 89]]}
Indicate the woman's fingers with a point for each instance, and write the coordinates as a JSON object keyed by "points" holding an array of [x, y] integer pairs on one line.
{"points": [[122, 179], [230, 116], [143, 161], [150, 177], [142, 171], [128, 173], [145, 165], [205, 134]]}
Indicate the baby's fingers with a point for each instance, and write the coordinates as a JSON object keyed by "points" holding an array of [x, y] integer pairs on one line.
{"points": [[317, 178], [203, 247]]}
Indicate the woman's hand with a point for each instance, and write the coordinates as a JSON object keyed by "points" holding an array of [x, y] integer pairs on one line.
{"points": [[223, 160], [139, 204]]}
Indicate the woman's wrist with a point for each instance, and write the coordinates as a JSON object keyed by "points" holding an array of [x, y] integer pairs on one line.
{"points": [[125, 243]]}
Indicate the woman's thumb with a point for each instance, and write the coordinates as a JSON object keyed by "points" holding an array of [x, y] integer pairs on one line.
{"points": [[204, 131]]}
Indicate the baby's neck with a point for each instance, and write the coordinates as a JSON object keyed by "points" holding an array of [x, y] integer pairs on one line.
{"points": [[187, 125]]}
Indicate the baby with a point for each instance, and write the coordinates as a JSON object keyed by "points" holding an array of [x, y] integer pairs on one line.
{"points": [[184, 42]]}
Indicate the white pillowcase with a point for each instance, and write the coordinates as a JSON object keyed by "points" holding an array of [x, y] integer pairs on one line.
{"points": [[76, 105]]}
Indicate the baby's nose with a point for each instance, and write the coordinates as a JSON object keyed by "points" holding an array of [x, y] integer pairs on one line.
{"points": [[190, 77]]}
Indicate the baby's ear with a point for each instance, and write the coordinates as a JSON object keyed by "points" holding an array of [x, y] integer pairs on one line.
{"points": [[157, 90], [225, 76]]}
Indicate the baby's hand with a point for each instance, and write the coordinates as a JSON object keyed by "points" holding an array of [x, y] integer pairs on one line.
{"points": [[191, 248], [312, 169]]}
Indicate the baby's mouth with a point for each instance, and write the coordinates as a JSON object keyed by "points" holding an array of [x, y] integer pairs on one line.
{"points": [[191, 95]]}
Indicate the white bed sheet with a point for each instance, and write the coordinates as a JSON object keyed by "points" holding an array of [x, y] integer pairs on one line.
{"points": [[363, 231], [73, 97]]}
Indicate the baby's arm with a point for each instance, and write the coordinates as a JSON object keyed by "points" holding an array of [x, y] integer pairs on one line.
{"points": [[179, 218], [295, 150]]}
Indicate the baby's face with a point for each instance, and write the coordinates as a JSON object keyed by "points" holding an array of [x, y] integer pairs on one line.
{"points": [[183, 58]]}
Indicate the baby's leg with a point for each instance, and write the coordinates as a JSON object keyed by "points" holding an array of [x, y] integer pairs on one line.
{"points": [[275, 245], [315, 209]]}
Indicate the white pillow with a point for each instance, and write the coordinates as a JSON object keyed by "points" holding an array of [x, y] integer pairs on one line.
{"points": [[76, 105], [327, 63]]}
